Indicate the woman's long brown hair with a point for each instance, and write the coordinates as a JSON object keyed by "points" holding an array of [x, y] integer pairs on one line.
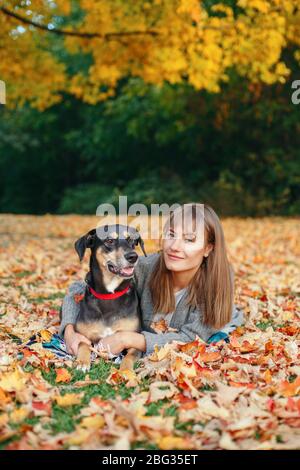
{"points": [[211, 290]]}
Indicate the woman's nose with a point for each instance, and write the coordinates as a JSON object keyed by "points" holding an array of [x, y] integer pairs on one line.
{"points": [[176, 244]]}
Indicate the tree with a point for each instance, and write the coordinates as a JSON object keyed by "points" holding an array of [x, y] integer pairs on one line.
{"points": [[177, 41]]}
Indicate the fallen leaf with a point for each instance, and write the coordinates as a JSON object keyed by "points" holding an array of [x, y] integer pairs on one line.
{"points": [[62, 375], [68, 399]]}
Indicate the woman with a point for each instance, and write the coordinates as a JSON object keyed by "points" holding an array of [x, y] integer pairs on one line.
{"points": [[189, 283]]}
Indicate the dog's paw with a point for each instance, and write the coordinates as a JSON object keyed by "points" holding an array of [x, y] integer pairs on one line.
{"points": [[83, 367], [128, 366]]}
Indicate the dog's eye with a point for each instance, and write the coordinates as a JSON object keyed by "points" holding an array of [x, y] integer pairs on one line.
{"points": [[109, 241], [132, 241]]}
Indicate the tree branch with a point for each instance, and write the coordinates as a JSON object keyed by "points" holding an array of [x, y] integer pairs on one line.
{"points": [[79, 34]]}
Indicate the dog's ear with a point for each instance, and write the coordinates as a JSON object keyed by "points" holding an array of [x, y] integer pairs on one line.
{"points": [[140, 241], [87, 241]]}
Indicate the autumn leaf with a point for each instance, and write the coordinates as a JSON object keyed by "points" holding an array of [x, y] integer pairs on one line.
{"points": [[68, 399], [93, 422], [243, 394], [19, 414], [78, 298], [41, 408], [13, 381], [161, 390], [208, 356], [119, 376], [160, 326], [62, 375], [289, 389], [172, 442], [4, 398]]}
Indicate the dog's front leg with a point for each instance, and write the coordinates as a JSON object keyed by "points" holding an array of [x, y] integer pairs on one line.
{"points": [[84, 357], [130, 358]]}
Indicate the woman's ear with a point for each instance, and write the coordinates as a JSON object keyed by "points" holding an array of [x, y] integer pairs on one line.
{"points": [[87, 241], [208, 249]]}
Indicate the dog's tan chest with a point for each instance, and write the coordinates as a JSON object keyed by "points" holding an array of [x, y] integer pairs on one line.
{"points": [[94, 331]]}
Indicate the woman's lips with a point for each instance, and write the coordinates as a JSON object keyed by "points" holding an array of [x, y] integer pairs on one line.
{"points": [[173, 257]]}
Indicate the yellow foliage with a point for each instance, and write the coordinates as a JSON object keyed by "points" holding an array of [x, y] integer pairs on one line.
{"points": [[162, 40]]}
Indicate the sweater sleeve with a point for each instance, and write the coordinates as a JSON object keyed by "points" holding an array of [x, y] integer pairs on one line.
{"points": [[70, 308], [192, 328], [237, 319]]}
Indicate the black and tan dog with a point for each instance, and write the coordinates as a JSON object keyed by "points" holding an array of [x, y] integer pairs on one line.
{"points": [[110, 302]]}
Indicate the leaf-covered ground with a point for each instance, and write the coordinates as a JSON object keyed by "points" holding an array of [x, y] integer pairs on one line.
{"points": [[241, 395]]}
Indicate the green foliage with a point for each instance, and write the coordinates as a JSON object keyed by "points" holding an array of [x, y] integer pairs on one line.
{"points": [[235, 151]]}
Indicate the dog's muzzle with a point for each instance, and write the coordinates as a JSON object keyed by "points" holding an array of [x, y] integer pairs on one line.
{"points": [[124, 271]]}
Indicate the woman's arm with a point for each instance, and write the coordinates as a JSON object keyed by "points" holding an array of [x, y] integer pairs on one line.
{"points": [[70, 308], [145, 341]]}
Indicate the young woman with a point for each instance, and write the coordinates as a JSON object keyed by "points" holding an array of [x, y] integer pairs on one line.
{"points": [[189, 283]]}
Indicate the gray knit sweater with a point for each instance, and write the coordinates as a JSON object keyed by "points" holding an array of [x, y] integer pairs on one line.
{"points": [[185, 319]]}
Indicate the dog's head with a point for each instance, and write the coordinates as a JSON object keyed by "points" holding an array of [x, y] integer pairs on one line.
{"points": [[113, 246]]}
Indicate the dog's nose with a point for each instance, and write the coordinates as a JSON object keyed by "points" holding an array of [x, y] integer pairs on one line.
{"points": [[131, 257]]}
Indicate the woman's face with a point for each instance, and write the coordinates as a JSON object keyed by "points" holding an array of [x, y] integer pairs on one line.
{"points": [[183, 248]]}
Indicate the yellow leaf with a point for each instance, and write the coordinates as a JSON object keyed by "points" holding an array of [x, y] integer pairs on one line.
{"points": [[78, 437], [172, 442], [18, 415], [93, 422], [3, 420], [68, 399], [13, 381]]}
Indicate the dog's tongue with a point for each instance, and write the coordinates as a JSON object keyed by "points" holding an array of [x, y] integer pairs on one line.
{"points": [[127, 271]]}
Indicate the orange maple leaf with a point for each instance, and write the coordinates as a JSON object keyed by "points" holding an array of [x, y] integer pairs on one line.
{"points": [[188, 347], [209, 356], [62, 375], [289, 389]]}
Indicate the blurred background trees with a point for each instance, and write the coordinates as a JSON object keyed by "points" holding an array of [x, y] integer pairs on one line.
{"points": [[201, 111]]}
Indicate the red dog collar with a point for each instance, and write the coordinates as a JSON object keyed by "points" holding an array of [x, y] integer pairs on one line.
{"points": [[111, 296]]}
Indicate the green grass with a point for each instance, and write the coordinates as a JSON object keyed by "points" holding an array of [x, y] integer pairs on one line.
{"points": [[263, 325], [143, 445], [292, 378], [5, 443], [64, 419], [41, 299], [24, 273], [187, 426], [154, 408], [208, 388]]}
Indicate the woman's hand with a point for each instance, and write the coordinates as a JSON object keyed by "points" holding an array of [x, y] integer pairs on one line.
{"points": [[114, 343], [121, 340], [72, 339]]}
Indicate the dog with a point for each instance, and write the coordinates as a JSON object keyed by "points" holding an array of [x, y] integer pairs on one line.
{"points": [[110, 303]]}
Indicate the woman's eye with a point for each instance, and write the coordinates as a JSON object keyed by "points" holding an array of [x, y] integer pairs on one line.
{"points": [[169, 234], [189, 240]]}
